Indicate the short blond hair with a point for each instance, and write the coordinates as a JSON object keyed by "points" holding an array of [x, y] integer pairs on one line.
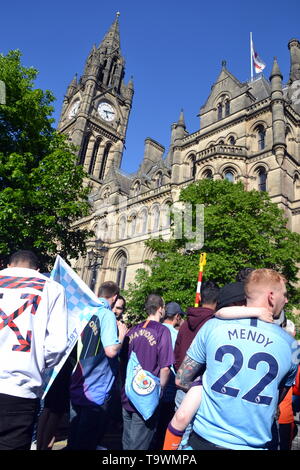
{"points": [[262, 278]]}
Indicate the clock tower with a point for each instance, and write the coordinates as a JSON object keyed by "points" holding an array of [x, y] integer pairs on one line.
{"points": [[96, 108]]}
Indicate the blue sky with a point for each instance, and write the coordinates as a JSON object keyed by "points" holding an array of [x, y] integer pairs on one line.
{"points": [[173, 50]]}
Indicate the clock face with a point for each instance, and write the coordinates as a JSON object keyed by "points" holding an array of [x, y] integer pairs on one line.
{"points": [[74, 109], [106, 111]]}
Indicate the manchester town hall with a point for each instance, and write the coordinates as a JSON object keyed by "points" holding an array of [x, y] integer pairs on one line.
{"points": [[250, 132]]}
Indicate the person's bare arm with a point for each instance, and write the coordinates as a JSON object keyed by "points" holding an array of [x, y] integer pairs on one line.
{"points": [[164, 375], [187, 372], [112, 350], [228, 313]]}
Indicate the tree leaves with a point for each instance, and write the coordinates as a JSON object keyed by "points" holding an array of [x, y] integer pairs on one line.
{"points": [[41, 187]]}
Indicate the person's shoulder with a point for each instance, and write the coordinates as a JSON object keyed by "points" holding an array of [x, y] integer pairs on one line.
{"points": [[104, 310]]}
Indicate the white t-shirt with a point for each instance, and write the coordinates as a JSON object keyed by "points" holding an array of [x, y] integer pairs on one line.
{"points": [[33, 329]]}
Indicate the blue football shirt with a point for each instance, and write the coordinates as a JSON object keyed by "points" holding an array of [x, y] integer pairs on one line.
{"points": [[94, 376], [247, 360]]}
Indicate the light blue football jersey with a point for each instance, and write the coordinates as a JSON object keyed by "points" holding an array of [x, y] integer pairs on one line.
{"points": [[247, 360]]}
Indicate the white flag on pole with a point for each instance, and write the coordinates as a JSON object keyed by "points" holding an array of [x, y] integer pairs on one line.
{"points": [[259, 65]]}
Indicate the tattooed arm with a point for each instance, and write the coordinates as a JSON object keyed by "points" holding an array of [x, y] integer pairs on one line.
{"points": [[187, 372]]}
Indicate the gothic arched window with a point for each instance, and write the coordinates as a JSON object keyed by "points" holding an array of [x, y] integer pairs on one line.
{"points": [[155, 218], [262, 179], [121, 271], [231, 140], [84, 148], [229, 175], [94, 156], [103, 232], [132, 225], [193, 166], [143, 221], [261, 137], [208, 174], [220, 111], [104, 161], [122, 228], [227, 107]]}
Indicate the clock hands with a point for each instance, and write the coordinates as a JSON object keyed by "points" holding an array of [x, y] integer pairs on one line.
{"points": [[108, 112]]}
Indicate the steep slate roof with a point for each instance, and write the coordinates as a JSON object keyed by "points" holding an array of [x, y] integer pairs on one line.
{"points": [[260, 88]]}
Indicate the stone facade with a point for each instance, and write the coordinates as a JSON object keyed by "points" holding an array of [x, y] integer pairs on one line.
{"points": [[249, 132]]}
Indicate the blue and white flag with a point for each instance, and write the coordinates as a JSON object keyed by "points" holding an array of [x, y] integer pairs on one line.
{"points": [[82, 304]]}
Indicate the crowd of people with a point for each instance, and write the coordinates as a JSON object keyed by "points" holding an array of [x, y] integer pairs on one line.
{"points": [[220, 376]]}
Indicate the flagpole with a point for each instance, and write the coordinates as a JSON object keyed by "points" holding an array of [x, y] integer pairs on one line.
{"points": [[251, 56]]}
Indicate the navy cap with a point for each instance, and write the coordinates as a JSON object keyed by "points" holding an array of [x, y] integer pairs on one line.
{"points": [[172, 308]]}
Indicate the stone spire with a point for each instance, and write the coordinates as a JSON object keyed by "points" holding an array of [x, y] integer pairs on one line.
{"points": [[181, 121], [276, 72], [178, 129], [111, 41], [112, 63]]}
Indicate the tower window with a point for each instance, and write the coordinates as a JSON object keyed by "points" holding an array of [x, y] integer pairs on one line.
{"points": [[231, 140], [261, 137], [94, 156], [84, 148], [104, 161], [262, 179]]}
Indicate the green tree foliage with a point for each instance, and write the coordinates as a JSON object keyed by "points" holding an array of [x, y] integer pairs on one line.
{"points": [[41, 188], [241, 229]]}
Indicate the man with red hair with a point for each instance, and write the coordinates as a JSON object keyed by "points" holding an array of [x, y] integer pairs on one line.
{"points": [[249, 367]]}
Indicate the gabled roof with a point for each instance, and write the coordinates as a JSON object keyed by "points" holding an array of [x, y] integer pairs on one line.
{"points": [[233, 86]]}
